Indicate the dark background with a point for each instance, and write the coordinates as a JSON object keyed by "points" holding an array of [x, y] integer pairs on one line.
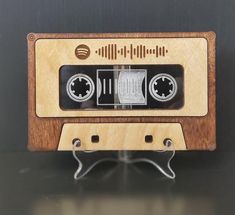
{"points": [[32, 182], [19, 17]]}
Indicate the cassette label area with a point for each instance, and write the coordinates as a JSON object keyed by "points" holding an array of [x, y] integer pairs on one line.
{"points": [[88, 77]]}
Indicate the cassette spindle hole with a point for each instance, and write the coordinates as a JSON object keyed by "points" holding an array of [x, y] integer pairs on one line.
{"points": [[80, 87], [163, 87]]}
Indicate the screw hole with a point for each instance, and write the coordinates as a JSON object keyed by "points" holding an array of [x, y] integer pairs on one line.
{"points": [[167, 142], [95, 138], [76, 142], [148, 138]]}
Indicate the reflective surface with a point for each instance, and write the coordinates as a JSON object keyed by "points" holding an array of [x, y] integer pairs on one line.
{"points": [[121, 87], [42, 183]]}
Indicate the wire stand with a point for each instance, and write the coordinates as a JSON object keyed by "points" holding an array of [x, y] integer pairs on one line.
{"points": [[86, 162]]}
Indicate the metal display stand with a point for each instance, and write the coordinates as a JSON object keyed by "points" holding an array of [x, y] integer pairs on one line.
{"points": [[161, 160]]}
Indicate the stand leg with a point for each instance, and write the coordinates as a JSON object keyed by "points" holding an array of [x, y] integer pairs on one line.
{"points": [[87, 162], [151, 158]]}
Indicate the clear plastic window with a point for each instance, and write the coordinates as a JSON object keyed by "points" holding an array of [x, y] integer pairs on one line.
{"points": [[121, 87]]}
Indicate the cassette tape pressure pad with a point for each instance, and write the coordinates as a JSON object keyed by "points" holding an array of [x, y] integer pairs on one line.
{"points": [[123, 91]]}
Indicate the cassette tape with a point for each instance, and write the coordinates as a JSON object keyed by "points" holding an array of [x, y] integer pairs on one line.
{"points": [[121, 91]]}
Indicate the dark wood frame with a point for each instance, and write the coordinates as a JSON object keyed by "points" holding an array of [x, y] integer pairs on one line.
{"points": [[199, 132]]}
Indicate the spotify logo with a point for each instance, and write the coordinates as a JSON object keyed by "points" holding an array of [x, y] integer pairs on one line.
{"points": [[82, 52]]}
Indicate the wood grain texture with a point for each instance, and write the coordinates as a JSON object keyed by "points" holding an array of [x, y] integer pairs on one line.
{"points": [[199, 132], [116, 136], [51, 54]]}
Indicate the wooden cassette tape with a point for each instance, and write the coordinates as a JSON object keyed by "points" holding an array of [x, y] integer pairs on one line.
{"points": [[121, 91]]}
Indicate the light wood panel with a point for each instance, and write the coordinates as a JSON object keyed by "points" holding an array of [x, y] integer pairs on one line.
{"points": [[121, 136], [191, 53]]}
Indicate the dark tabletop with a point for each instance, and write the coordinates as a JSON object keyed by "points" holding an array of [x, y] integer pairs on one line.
{"points": [[42, 183]]}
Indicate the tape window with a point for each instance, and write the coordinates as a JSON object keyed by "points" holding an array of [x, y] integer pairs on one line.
{"points": [[121, 87]]}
